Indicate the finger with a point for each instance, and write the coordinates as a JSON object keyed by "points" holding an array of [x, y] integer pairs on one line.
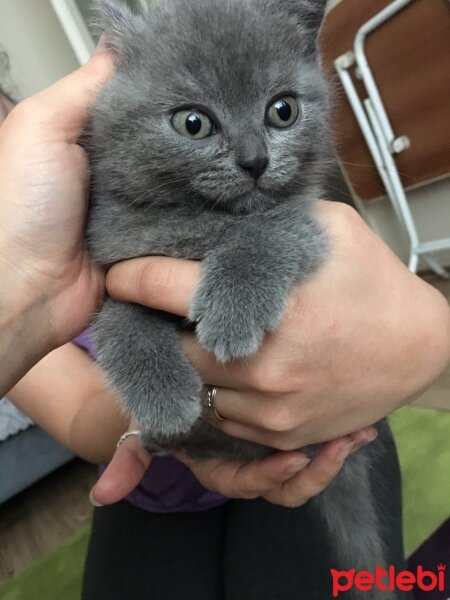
{"points": [[163, 283], [315, 478], [255, 418], [283, 441], [363, 437], [123, 474], [249, 480], [240, 374], [266, 420], [169, 284], [267, 434], [252, 409], [65, 105]]}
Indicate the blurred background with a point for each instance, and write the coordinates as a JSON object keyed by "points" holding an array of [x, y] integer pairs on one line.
{"points": [[388, 64]]}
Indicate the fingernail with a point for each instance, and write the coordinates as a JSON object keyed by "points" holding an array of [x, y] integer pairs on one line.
{"points": [[372, 435], [92, 499], [364, 437], [344, 450], [298, 464]]}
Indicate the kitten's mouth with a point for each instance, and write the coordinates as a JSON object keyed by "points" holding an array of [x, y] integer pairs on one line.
{"points": [[253, 198], [262, 189], [255, 185], [249, 196], [249, 191]]}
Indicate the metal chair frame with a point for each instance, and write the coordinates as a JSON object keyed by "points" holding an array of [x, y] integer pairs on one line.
{"points": [[383, 144]]}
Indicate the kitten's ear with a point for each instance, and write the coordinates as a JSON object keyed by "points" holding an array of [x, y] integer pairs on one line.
{"points": [[308, 14], [120, 21]]}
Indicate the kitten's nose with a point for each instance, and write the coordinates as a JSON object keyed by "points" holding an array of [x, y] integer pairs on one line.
{"points": [[254, 166], [253, 158]]}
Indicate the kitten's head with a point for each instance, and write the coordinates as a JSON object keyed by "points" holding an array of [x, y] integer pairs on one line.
{"points": [[217, 102]]}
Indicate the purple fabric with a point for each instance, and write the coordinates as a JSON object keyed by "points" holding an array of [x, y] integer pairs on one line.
{"points": [[168, 485]]}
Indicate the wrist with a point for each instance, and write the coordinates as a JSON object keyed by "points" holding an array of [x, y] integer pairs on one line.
{"points": [[432, 342], [441, 332], [89, 442]]}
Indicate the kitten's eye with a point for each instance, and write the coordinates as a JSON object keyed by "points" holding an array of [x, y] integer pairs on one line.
{"points": [[193, 124], [283, 113]]}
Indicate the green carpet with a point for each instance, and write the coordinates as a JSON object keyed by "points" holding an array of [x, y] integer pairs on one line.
{"points": [[55, 577], [423, 440]]}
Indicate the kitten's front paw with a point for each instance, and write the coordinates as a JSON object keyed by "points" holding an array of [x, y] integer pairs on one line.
{"points": [[229, 339], [231, 323], [166, 402]]}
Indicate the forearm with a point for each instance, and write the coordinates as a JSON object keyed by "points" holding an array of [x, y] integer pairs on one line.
{"points": [[97, 427], [65, 395], [24, 330]]}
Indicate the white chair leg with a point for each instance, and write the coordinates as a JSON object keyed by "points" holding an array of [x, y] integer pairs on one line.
{"points": [[413, 262]]}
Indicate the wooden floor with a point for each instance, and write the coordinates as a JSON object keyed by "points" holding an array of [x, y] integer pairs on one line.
{"points": [[41, 518]]}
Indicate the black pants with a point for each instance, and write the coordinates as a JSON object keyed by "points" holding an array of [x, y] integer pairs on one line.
{"points": [[244, 550]]}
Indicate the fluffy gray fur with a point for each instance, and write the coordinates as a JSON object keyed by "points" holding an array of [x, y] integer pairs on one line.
{"points": [[157, 192]]}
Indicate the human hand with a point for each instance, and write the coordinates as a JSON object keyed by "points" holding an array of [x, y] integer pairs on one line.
{"points": [[359, 339], [44, 178], [328, 348], [286, 478]]}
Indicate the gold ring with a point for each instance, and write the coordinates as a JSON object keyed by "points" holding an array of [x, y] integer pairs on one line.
{"points": [[210, 392]]}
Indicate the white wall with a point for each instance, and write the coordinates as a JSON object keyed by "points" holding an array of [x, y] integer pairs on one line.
{"points": [[35, 42], [430, 206]]}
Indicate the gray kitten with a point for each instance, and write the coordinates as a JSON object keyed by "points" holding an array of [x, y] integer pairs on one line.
{"points": [[209, 144]]}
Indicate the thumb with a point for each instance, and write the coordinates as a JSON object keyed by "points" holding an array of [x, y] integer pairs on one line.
{"points": [[62, 110], [160, 282], [123, 474]]}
